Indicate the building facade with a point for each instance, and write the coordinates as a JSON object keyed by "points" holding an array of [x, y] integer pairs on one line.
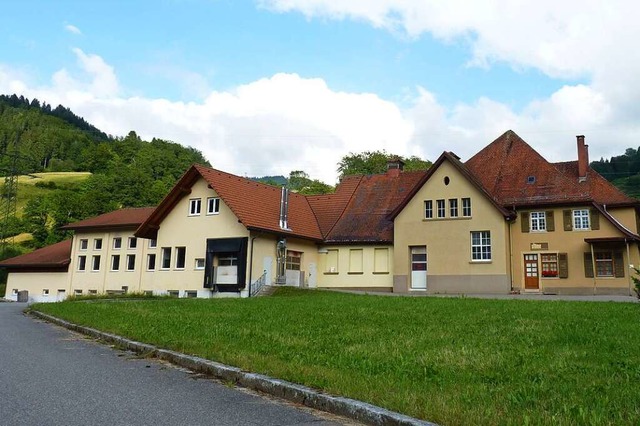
{"points": [[507, 220]]}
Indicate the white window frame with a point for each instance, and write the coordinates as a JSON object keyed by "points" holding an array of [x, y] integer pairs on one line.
{"points": [[82, 263], [213, 205], [453, 207], [97, 243], [117, 243], [153, 243], [128, 267], [441, 208], [195, 206], [149, 257], [84, 244], [163, 257], [466, 207], [549, 259], [182, 258], [199, 263], [132, 243], [428, 209], [581, 220], [538, 221], [602, 259], [113, 257], [481, 241], [93, 262]]}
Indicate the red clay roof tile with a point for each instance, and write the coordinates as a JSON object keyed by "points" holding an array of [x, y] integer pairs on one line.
{"points": [[54, 256], [123, 218]]}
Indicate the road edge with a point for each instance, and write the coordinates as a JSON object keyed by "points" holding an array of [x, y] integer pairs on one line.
{"points": [[346, 407]]}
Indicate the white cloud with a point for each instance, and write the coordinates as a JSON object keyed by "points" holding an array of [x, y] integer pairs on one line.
{"points": [[286, 122], [72, 29]]}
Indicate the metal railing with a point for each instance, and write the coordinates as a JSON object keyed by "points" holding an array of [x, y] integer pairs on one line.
{"points": [[258, 284]]}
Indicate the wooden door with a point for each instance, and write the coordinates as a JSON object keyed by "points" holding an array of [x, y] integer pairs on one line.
{"points": [[531, 272]]}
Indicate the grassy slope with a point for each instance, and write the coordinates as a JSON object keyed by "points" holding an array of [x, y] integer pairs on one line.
{"points": [[28, 190], [453, 361]]}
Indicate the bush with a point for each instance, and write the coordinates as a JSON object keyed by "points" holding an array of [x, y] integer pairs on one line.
{"points": [[636, 282]]}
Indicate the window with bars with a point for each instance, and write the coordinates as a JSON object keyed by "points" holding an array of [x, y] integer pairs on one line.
{"points": [[549, 265]]}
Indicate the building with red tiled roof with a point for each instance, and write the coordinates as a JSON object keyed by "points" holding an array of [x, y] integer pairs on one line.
{"points": [[505, 220]]}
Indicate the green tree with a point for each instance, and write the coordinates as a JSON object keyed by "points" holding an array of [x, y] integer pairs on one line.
{"points": [[373, 162]]}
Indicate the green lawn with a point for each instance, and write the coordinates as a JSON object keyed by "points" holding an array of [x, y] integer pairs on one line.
{"points": [[452, 361]]}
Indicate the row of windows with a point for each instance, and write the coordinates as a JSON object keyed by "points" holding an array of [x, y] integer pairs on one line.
{"points": [[195, 206], [452, 207], [179, 254], [543, 221], [356, 264], [132, 243]]}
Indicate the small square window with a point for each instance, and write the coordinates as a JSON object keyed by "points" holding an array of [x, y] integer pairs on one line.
{"points": [[173, 293], [97, 244], [191, 294], [199, 263], [195, 205], [133, 242], [153, 243], [45, 292], [93, 291], [14, 291], [77, 292], [117, 243], [213, 205]]}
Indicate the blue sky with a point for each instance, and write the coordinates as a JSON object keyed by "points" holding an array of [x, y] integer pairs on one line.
{"points": [[307, 81]]}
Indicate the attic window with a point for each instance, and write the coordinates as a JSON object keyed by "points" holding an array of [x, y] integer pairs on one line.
{"points": [[447, 180], [531, 179]]}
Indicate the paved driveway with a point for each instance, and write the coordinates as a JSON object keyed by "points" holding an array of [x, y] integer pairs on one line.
{"points": [[50, 376]]}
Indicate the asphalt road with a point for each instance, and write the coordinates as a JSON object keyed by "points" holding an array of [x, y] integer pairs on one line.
{"points": [[50, 376]]}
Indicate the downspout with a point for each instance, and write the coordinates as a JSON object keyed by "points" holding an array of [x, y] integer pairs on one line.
{"points": [[593, 267], [511, 254], [629, 263]]}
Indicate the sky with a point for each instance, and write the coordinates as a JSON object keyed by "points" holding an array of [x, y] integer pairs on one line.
{"points": [[266, 87]]}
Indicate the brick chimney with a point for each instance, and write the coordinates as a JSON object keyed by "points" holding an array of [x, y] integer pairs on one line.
{"points": [[583, 158], [394, 166]]}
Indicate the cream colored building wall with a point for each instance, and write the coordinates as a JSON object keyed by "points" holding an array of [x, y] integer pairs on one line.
{"points": [[179, 229], [450, 268], [350, 274], [42, 286], [265, 257], [572, 242], [105, 279]]}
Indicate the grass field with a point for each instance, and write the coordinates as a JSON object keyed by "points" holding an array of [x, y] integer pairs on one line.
{"points": [[27, 188], [451, 361]]}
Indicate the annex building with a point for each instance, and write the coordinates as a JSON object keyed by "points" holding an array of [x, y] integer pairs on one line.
{"points": [[505, 220]]}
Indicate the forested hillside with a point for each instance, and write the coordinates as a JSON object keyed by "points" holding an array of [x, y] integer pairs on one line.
{"points": [[622, 170], [126, 171]]}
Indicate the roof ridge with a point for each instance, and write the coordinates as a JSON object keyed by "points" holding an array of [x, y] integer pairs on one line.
{"points": [[344, 209]]}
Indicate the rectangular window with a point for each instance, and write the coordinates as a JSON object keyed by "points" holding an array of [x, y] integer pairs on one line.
{"points": [[131, 262], [199, 264], [293, 260], [537, 221], [77, 292], [84, 244], [82, 263], [93, 291], [480, 245], [441, 208], [153, 243], [194, 206], [355, 261], [95, 263], [115, 262], [191, 294], [549, 265], [133, 242], [466, 207], [581, 219], [604, 264], [380, 260], [428, 209], [213, 205], [227, 259], [181, 254], [45, 292], [97, 244], [117, 243], [453, 207], [332, 262], [151, 262], [166, 258]]}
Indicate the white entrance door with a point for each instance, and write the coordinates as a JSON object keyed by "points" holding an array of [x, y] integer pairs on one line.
{"points": [[419, 267]]}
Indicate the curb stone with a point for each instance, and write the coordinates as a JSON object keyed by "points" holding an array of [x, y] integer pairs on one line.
{"points": [[346, 407]]}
